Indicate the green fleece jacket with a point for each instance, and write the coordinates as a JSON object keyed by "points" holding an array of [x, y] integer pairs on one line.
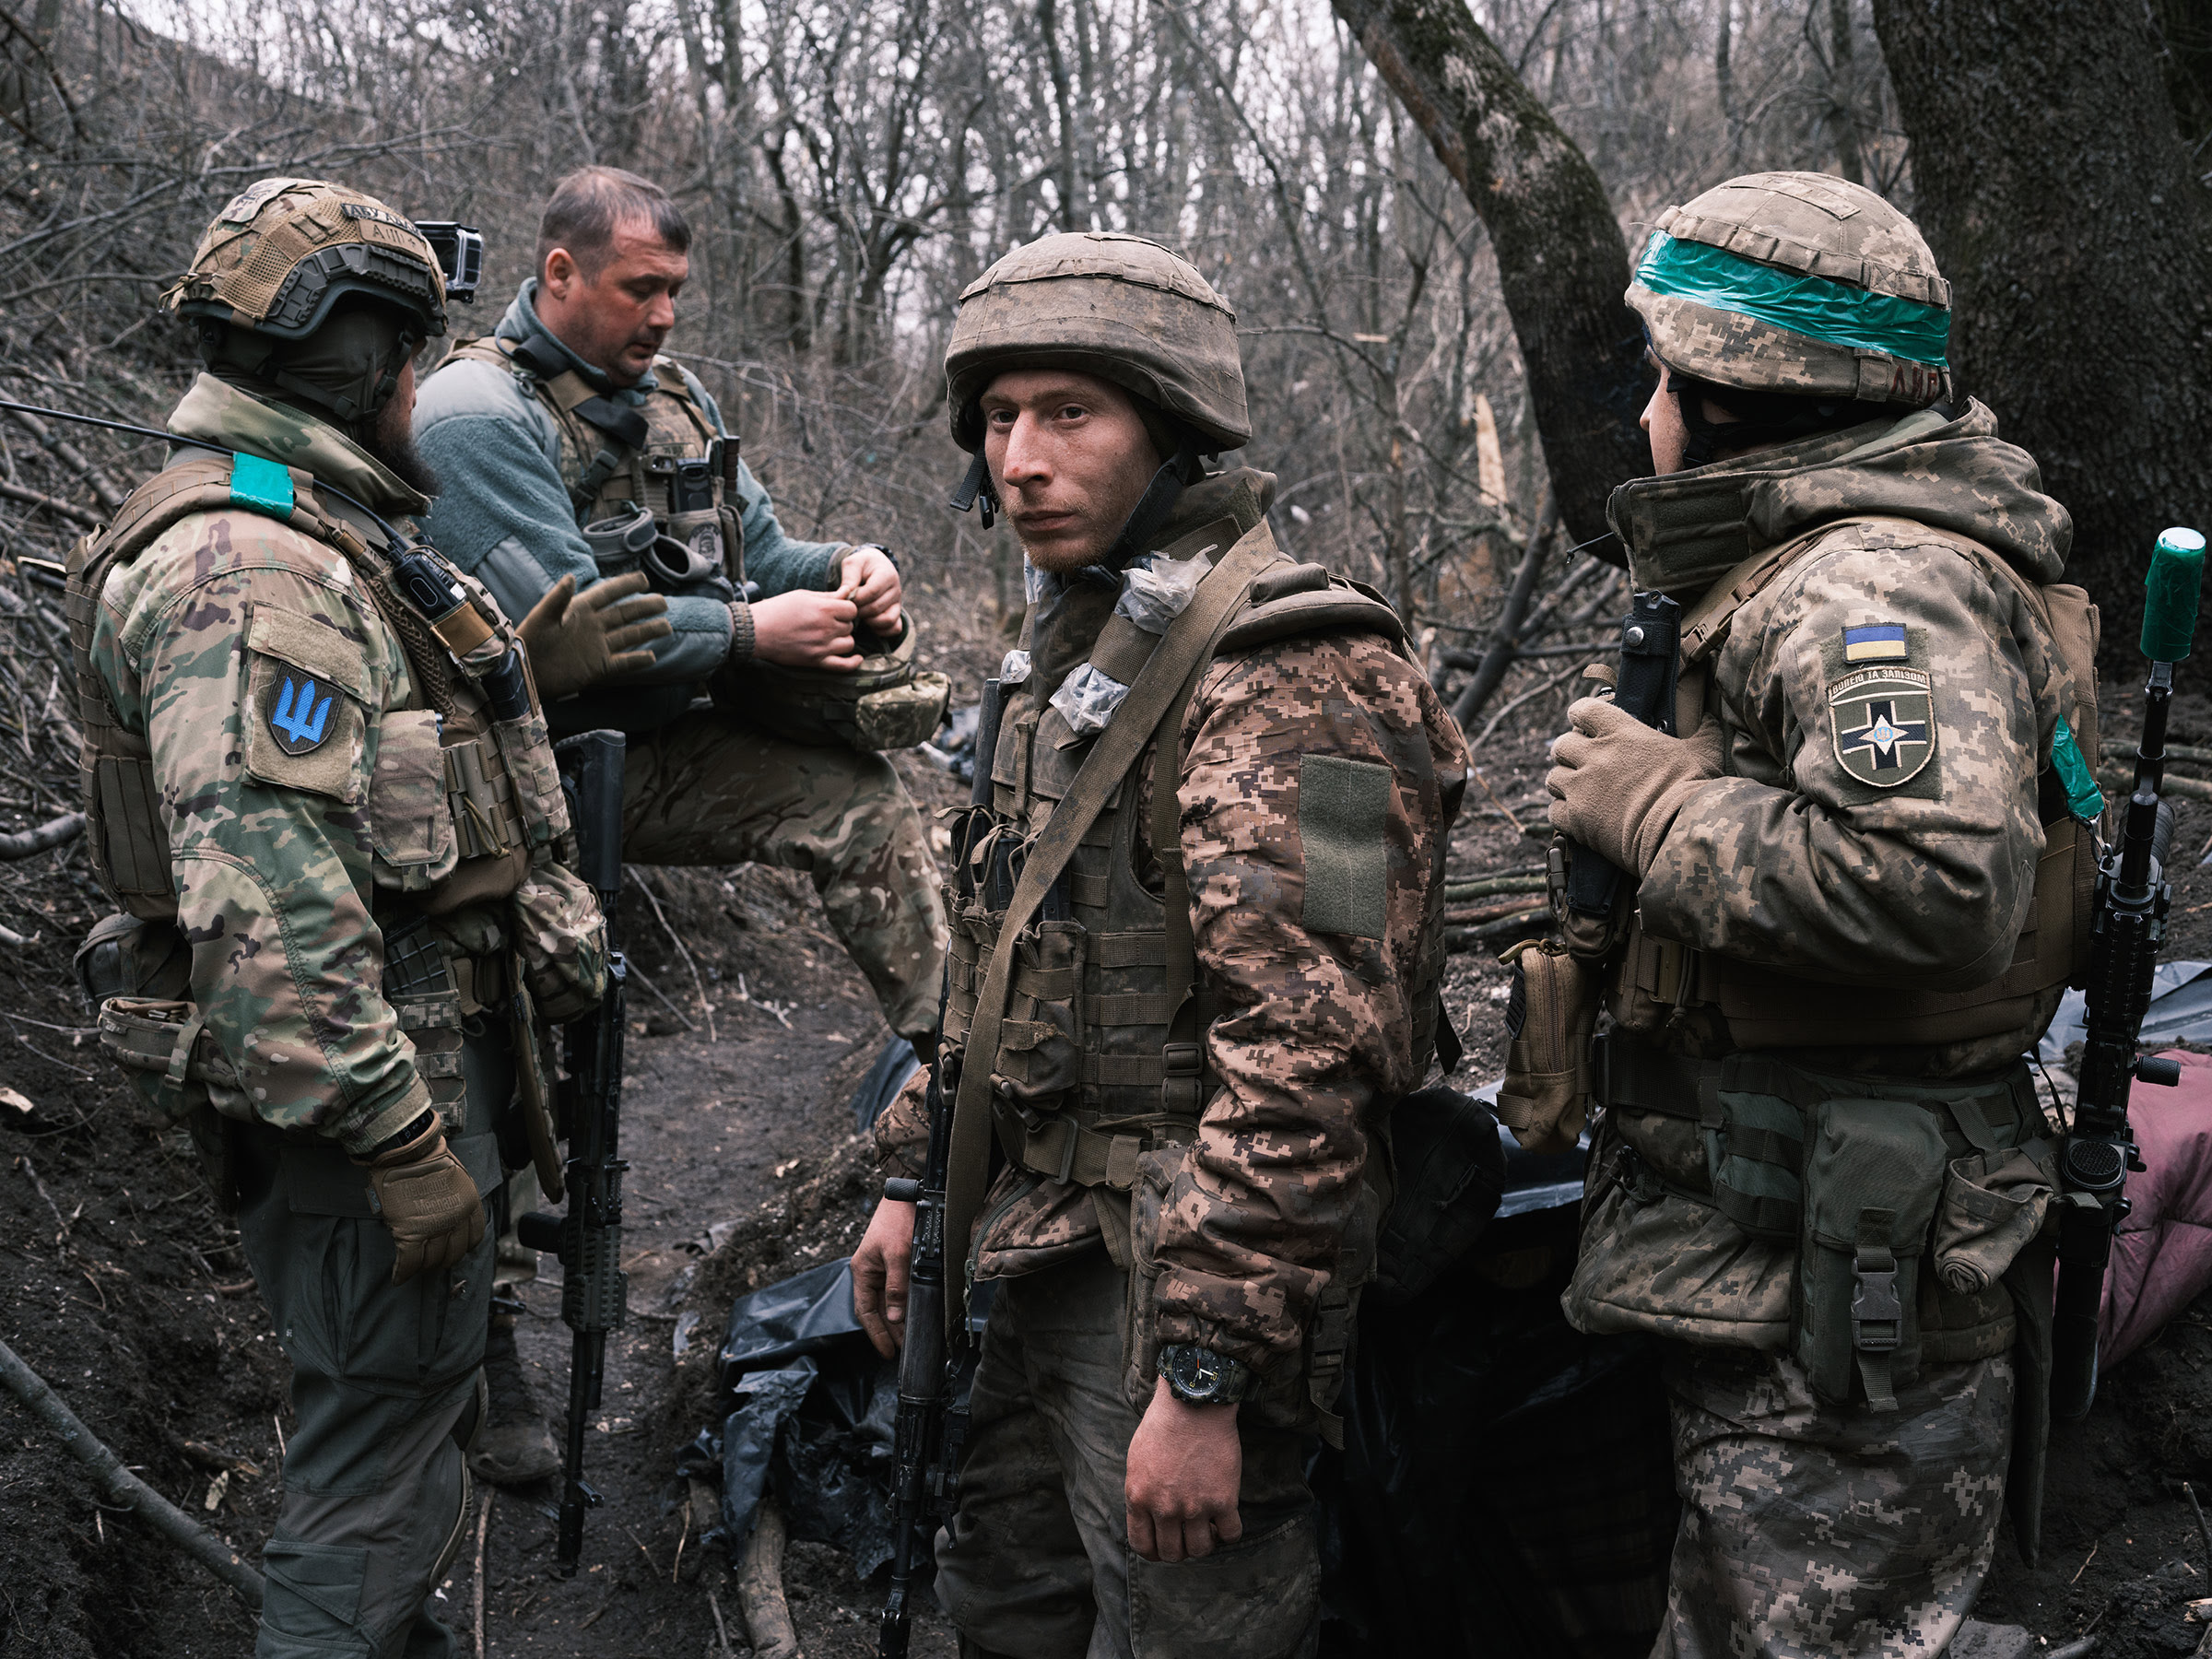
{"points": [[503, 513]]}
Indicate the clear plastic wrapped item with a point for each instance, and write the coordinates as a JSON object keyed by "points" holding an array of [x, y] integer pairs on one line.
{"points": [[1086, 700]]}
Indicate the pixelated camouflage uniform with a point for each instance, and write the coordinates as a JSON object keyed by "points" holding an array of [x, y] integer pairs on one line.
{"points": [[1238, 1231], [287, 872], [1876, 929], [700, 786]]}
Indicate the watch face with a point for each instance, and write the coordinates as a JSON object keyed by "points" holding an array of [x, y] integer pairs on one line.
{"points": [[1195, 1373]]}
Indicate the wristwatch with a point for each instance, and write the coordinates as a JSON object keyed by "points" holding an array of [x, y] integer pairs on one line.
{"points": [[1198, 1376]]}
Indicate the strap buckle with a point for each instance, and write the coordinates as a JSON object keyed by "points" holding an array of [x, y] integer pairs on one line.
{"points": [[1877, 1315], [1183, 1067]]}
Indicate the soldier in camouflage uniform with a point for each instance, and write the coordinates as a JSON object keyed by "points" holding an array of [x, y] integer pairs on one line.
{"points": [[333, 821], [525, 430], [1859, 888], [1195, 961], [566, 419]]}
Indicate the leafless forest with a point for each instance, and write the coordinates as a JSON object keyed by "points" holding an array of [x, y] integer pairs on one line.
{"points": [[1424, 212]]}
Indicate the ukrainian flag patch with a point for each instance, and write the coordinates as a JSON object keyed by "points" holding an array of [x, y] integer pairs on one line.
{"points": [[1876, 642]]}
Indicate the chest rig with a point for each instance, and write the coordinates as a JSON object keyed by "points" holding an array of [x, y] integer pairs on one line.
{"points": [[1079, 1029], [663, 460]]}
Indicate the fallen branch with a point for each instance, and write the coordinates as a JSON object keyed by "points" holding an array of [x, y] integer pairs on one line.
{"points": [[2190, 789], [698, 985], [760, 1587], [1460, 940], [1505, 642], [24, 843], [53, 504], [1482, 887], [123, 1489]]}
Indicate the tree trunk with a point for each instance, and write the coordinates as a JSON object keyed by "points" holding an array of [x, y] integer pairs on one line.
{"points": [[2062, 205], [1561, 262]]}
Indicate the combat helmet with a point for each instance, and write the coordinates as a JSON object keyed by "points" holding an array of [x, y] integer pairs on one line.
{"points": [[1796, 285], [1122, 308], [272, 269]]}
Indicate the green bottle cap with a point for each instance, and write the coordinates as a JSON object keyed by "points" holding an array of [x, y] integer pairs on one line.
{"points": [[2177, 570]]}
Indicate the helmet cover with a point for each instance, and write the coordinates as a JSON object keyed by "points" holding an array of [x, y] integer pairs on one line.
{"points": [[1105, 303], [1798, 283]]}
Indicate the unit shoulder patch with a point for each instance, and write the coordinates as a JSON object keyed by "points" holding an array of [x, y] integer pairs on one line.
{"points": [[1882, 721], [298, 710]]}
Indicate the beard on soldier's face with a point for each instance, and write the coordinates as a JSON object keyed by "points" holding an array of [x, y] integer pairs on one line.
{"points": [[392, 446]]}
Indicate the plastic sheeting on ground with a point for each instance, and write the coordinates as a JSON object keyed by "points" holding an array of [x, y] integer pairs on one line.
{"points": [[893, 1066], [2163, 1253], [808, 1408]]}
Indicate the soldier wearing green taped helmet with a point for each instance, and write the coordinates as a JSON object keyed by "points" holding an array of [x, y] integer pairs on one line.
{"points": [[328, 821], [1820, 1169], [1196, 943]]}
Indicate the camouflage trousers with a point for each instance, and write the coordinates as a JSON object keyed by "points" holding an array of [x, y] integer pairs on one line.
{"points": [[708, 790], [1811, 1529], [1036, 1563]]}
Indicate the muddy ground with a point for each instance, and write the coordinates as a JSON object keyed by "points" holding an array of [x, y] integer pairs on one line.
{"points": [[122, 1286]]}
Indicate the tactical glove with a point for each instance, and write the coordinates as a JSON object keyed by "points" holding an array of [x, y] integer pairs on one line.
{"points": [[1616, 783], [423, 1195], [575, 641]]}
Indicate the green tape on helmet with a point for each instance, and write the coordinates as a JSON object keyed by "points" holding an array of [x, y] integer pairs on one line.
{"points": [[1833, 312], [2171, 585], [2084, 799]]}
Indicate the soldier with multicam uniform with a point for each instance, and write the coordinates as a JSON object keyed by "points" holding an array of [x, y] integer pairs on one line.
{"points": [[1860, 886], [1194, 960], [332, 816]]}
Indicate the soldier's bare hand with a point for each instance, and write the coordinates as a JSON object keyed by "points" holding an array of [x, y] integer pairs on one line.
{"points": [[1185, 1466], [805, 630], [880, 1268], [871, 581]]}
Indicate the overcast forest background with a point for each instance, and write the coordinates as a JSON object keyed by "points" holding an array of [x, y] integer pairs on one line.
{"points": [[1424, 212]]}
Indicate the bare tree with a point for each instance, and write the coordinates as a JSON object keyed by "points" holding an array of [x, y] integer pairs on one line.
{"points": [[2066, 209]]}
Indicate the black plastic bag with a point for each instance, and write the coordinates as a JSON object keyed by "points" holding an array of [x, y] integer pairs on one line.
{"points": [[807, 1409]]}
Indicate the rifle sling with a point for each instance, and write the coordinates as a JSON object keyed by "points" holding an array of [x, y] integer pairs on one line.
{"points": [[1157, 692]]}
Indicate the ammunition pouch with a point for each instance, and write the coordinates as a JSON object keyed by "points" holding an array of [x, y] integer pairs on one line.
{"points": [[1866, 1179], [885, 703], [1550, 1012]]}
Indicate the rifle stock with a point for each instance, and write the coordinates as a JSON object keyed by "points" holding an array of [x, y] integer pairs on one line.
{"points": [[588, 1237]]}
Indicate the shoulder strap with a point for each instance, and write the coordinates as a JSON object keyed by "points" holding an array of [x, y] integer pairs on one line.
{"points": [[1187, 647]]}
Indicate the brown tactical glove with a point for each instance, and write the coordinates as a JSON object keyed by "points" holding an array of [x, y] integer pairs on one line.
{"points": [[575, 641], [424, 1196], [1615, 784]]}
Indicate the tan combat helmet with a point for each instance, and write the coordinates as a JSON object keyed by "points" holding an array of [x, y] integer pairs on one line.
{"points": [[285, 251], [1800, 284], [1103, 303]]}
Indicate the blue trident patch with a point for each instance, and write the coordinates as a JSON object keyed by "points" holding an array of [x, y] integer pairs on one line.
{"points": [[296, 721]]}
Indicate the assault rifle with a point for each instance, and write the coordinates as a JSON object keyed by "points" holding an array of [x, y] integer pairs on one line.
{"points": [[2132, 898], [588, 1238], [1651, 639], [930, 1427]]}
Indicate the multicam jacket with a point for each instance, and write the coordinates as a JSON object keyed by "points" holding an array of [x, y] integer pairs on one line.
{"points": [[1316, 1017], [299, 786]]}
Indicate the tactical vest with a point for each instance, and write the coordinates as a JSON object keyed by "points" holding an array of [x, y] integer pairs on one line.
{"points": [[1657, 984], [663, 457], [458, 802], [1093, 1016]]}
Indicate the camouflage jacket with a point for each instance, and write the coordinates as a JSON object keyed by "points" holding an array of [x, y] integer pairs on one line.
{"points": [[1823, 854], [271, 852], [1317, 1037]]}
